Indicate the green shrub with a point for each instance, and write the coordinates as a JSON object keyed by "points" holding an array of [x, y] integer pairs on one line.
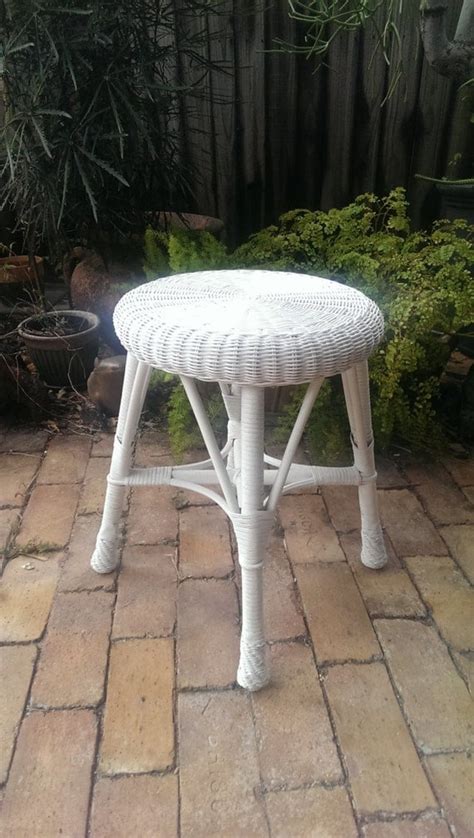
{"points": [[423, 283], [183, 251]]}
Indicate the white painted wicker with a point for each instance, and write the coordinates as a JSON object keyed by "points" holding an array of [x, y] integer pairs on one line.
{"points": [[246, 329], [248, 326]]}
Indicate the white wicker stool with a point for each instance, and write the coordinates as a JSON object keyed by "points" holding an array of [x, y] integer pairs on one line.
{"points": [[246, 330]]}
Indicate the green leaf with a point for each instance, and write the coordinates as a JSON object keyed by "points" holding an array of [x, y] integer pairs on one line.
{"points": [[104, 165]]}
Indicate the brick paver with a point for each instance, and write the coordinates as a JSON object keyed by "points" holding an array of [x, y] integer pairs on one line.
{"points": [[435, 698], [145, 727], [208, 633], [308, 534], [285, 757], [16, 473], [316, 812], [390, 591], [138, 722], [144, 806], [460, 540], [51, 768], [451, 775], [449, 596], [218, 766], [49, 517], [93, 491], [153, 517], [27, 592], [410, 530], [382, 763], [283, 617], [73, 659], [424, 827], [66, 460], [339, 624], [76, 571], [147, 589], [16, 668], [204, 542]]}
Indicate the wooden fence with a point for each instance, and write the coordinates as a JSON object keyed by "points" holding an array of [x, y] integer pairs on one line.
{"points": [[275, 135]]}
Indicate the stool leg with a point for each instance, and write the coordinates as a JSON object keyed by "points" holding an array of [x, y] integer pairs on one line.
{"points": [[357, 395], [252, 527], [105, 556]]}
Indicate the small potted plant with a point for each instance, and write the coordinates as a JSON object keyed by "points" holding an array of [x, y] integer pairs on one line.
{"points": [[62, 345]]}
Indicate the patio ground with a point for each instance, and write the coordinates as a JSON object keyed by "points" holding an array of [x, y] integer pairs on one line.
{"points": [[119, 713]]}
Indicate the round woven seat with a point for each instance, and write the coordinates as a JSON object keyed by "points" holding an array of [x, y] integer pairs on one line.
{"points": [[248, 326]]}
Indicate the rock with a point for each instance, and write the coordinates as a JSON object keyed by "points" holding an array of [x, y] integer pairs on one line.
{"points": [[105, 383]]}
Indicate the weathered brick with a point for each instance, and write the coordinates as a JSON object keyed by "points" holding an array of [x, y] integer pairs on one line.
{"points": [[143, 806], [343, 507], [26, 597], [282, 615], [424, 827], [218, 766], [452, 775], [102, 445], [465, 663], [435, 698], [52, 762], [73, 660], [66, 460], [460, 540], [16, 473], [462, 471], [444, 502], [204, 542], [285, 755], [388, 591], [9, 519], [48, 517], [153, 445], [388, 474], [24, 442], [208, 633], [309, 536], [76, 571], [153, 517], [384, 771], [138, 732], [468, 491], [410, 531], [315, 812], [16, 669], [147, 589], [338, 622], [448, 595], [95, 484]]}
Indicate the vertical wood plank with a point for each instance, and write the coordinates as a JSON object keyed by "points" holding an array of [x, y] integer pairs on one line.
{"points": [[341, 105], [249, 27], [400, 110]]}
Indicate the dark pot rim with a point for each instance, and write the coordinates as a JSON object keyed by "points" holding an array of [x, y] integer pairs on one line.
{"points": [[71, 341]]}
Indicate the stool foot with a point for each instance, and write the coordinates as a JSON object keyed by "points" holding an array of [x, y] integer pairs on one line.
{"points": [[106, 554], [253, 673], [373, 553]]}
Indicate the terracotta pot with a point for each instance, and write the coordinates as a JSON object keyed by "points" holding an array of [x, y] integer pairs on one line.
{"points": [[105, 383], [186, 221], [17, 280]]}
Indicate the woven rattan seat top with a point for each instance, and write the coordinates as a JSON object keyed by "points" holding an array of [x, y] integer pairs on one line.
{"points": [[248, 326]]}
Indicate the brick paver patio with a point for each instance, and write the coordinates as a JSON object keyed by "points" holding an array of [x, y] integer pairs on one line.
{"points": [[119, 713]]}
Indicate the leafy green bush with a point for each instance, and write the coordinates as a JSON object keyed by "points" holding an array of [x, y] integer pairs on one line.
{"points": [[182, 251], [423, 283]]}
